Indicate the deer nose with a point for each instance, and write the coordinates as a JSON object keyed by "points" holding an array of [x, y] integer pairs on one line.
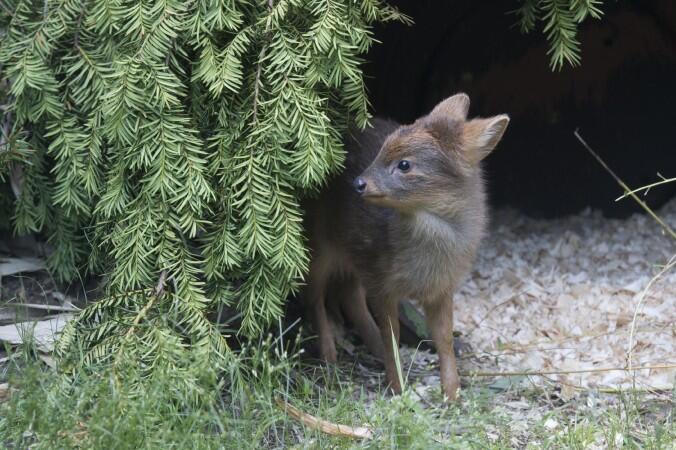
{"points": [[359, 185]]}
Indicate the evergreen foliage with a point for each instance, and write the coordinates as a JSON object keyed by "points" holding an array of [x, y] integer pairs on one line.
{"points": [[561, 19], [170, 140]]}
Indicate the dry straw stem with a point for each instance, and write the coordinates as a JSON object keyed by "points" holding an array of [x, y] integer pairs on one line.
{"points": [[647, 187], [616, 390], [397, 357], [156, 294], [665, 269], [520, 348], [563, 372], [44, 307], [512, 349], [619, 390], [627, 191], [159, 291], [324, 426]]}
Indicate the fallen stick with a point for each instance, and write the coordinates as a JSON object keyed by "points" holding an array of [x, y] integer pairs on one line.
{"points": [[323, 425]]}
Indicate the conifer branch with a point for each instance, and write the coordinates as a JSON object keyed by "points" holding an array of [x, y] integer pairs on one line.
{"points": [[561, 19], [132, 126], [259, 67], [78, 26]]}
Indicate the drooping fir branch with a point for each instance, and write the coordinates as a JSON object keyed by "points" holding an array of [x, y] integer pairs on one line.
{"points": [[561, 19], [300, 57]]}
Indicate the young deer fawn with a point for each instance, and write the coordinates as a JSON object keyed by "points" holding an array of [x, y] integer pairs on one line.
{"points": [[404, 220]]}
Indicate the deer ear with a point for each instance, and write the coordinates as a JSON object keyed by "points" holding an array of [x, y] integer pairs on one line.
{"points": [[480, 136], [454, 107]]}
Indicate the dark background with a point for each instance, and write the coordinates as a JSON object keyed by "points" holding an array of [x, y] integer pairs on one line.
{"points": [[622, 97]]}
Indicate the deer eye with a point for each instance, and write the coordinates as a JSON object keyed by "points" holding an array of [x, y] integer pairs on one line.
{"points": [[404, 165]]}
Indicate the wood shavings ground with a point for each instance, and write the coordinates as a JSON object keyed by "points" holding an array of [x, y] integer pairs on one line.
{"points": [[561, 295]]}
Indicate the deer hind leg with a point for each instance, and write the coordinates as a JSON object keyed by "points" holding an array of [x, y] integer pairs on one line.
{"points": [[318, 279], [357, 312]]}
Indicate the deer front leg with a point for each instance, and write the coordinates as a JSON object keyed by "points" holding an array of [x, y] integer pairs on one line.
{"points": [[387, 316], [439, 315]]}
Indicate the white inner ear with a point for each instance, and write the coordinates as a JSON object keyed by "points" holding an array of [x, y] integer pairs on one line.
{"points": [[493, 132], [482, 135]]}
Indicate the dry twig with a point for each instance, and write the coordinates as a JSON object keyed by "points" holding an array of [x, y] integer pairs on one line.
{"points": [[324, 426], [4, 391], [159, 291], [563, 372]]}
